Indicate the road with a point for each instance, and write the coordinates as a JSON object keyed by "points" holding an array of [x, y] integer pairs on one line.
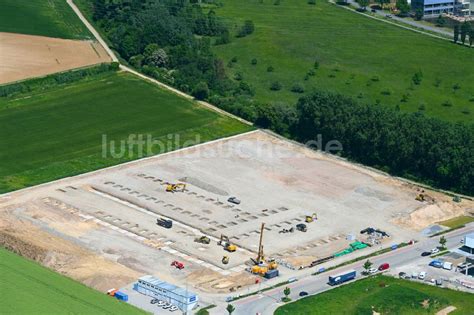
{"points": [[268, 301], [382, 13]]}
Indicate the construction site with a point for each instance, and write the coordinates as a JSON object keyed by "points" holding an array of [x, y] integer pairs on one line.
{"points": [[216, 216]]}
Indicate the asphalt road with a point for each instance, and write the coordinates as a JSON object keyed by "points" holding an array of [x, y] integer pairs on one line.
{"points": [[268, 302]]}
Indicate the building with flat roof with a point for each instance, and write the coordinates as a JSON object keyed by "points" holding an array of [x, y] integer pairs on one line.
{"points": [[433, 8], [156, 288], [469, 243]]}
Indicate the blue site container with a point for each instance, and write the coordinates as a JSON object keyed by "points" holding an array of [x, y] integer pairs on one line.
{"points": [[121, 296]]}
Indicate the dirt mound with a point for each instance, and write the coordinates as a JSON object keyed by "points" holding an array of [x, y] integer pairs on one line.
{"points": [[64, 257], [430, 214], [211, 281]]}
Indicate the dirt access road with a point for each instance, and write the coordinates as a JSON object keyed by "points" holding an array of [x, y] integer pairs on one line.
{"points": [[27, 56]]}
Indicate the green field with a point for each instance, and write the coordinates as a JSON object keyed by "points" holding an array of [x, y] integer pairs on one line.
{"points": [[385, 295], [360, 57], [56, 133], [28, 288], [52, 18], [457, 222]]}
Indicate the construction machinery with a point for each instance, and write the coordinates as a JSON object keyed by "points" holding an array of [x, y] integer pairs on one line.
{"points": [[301, 227], [262, 267], [203, 240], [311, 218], [180, 187], [420, 197], [225, 260], [225, 242]]}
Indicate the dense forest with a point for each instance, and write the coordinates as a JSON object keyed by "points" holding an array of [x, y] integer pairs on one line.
{"points": [[172, 41], [410, 145]]}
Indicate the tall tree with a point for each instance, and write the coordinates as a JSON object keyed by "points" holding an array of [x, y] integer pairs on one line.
{"points": [[403, 7], [230, 308], [465, 30], [471, 37], [363, 3], [456, 33], [367, 265]]}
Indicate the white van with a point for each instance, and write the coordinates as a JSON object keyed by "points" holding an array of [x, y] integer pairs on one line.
{"points": [[447, 265], [422, 275]]}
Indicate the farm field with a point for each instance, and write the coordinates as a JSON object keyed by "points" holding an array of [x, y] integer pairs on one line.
{"points": [[59, 132], [27, 56], [28, 288], [52, 18], [369, 60], [384, 295]]}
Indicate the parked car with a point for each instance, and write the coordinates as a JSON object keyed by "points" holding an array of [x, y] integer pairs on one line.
{"points": [[439, 282], [388, 16], [436, 264], [384, 266], [373, 11], [424, 254], [167, 305], [303, 293], [372, 270], [234, 200], [435, 250], [422, 275], [154, 301], [402, 275], [414, 275], [173, 308], [160, 303]]}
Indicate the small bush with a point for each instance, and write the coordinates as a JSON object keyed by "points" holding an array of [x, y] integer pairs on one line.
{"points": [[456, 87], [316, 65], [312, 73], [375, 78], [254, 61], [312, 2], [417, 77], [297, 88], [437, 82], [405, 98], [331, 75], [275, 86], [238, 76], [306, 77], [447, 103], [234, 59], [270, 69], [277, 2], [421, 107], [466, 111], [386, 92], [360, 95]]}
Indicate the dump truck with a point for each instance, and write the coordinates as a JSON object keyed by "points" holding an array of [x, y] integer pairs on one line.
{"points": [[164, 223], [342, 277]]}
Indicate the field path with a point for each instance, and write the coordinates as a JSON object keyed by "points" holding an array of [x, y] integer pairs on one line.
{"points": [[125, 68]]}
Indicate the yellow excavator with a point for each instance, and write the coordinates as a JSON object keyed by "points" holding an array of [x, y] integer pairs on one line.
{"points": [[311, 218], [180, 187], [225, 242]]}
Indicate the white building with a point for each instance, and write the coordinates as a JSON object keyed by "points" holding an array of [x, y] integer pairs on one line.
{"points": [[154, 287]]}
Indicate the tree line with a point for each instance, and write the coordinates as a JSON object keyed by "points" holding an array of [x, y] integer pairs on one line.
{"points": [[410, 145], [55, 79]]}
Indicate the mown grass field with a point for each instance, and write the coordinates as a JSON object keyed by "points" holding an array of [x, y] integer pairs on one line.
{"points": [[457, 222], [369, 60], [51, 134], [395, 296], [52, 18], [28, 288]]}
